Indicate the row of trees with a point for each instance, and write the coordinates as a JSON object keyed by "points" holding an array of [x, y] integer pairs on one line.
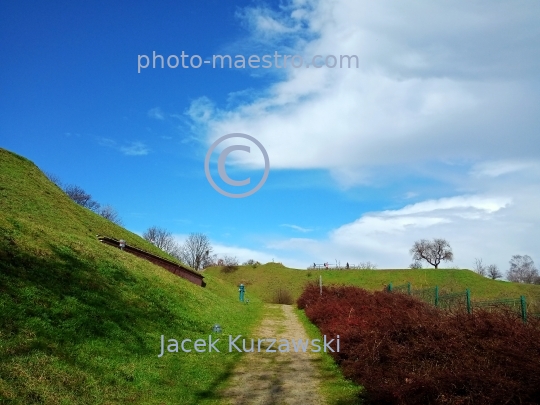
{"points": [[196, 251], [522, 268], [84, 199]]}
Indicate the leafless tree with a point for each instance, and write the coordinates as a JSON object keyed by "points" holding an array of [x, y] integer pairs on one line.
{"points": [[479, 267], [81, 197], [366, 266], [522, 270], [493, 272], [108, 212], [163, 239], [209, 261], [54, 178], [196, 250], [417, 264], [229, 264], [432, 252]]}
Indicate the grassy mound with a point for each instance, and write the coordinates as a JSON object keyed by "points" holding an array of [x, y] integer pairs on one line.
{"points": [[264, 281], [81, 322]]}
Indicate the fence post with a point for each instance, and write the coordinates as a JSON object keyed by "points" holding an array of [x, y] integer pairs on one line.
{"points": [[390, 287], [242, 291], [409, 288], [436, 295], [523, 308], [468, 295]]}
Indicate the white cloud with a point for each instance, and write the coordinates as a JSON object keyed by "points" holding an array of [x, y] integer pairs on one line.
{"points": [[492, 227], [410, 194], [445, 84], [243, 254], [488, 204], [499, 168], [156, 113], [297, 228], [437, 82], [135, 149]]}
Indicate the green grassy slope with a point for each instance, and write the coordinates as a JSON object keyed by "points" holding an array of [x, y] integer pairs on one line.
{"points": [[80, 321], [264, 280]]}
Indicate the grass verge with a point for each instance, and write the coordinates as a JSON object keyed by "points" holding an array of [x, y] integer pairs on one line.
{"points": [[335, 388]]}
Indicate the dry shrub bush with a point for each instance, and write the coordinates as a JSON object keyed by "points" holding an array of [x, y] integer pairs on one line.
{"points": [[406, 352], [282, 296], [229, 268], [229, 264]]}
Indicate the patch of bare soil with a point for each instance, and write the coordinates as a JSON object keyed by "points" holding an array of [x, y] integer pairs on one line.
{"points": [[263, 378]]}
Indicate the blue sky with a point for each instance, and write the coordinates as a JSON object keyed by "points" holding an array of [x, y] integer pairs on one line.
{"points": [[434, 134]]}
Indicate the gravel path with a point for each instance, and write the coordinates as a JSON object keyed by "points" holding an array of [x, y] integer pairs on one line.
{"points": [[276, 378]]}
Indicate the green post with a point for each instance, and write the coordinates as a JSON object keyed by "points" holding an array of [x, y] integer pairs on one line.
{"points": [[409, 288], [242, 290], [390, 287], [436, 295], [523, 309], [468, 295]]}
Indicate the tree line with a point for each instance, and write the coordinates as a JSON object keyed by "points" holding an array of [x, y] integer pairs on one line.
{"points": [[197, 252], [521, 270], [84, 199]]}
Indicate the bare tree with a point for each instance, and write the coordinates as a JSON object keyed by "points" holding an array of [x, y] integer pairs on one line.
{"points": [[108, 212], [81, 197], [54, 178], [366, 266], [522, 270], [432, 252], [209, 261], [196, 250], [229, 264], [479, 267], [493, 272], [417, 264], [163, 239]]}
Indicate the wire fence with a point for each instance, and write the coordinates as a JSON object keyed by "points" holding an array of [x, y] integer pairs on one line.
{"points": [[458, 301], [339, 266]]}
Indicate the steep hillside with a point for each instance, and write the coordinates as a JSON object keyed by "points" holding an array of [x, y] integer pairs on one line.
{"points": [[81, 322], [263, 281]]}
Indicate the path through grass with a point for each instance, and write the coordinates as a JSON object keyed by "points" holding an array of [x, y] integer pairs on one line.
{"points": [[284, 377]]}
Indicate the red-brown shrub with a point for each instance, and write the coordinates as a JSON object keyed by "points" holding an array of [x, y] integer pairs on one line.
{"points": [[404, 351]]}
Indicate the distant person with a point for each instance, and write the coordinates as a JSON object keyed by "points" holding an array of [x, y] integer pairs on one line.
{"points": [[347, 266], [122, 244], [314, 265], [326, 265]]}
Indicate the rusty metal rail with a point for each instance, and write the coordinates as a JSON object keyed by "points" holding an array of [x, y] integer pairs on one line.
{"points": [[168, 265]]}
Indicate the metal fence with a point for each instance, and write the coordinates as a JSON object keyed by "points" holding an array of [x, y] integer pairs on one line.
{"points": [[518, 305], [462, 300], [456, 301]]}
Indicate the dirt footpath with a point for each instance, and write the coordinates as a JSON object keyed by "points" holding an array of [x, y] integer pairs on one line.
{"points": [[276, 378]]}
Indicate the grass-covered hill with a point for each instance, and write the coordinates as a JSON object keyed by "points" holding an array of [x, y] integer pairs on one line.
{"points": [[264, 281], [81, 322]]}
